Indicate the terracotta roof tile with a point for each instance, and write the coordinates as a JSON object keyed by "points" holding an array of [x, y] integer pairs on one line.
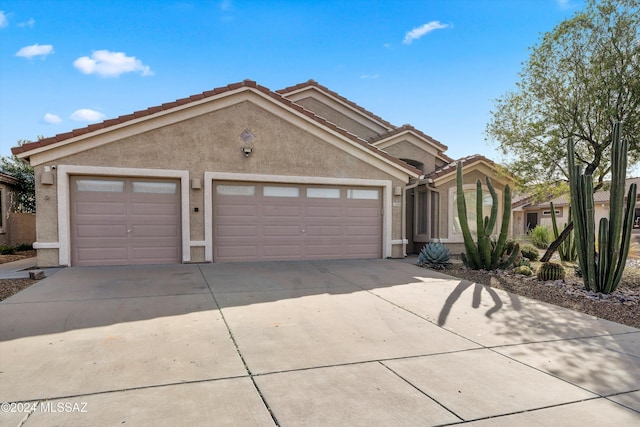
{"points": [[169, 105], [453, 166]]}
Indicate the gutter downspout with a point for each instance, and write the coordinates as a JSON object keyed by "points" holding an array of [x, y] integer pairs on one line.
{"points": [[404, 214]]}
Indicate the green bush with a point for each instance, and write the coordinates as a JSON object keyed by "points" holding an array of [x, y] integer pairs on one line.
{"points": [[540, 236], [7, 250], [530, 252], [23, 247]]}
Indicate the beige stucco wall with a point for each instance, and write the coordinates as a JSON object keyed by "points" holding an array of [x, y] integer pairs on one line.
{"points": [[337, 118], [407, 150], [212, 143]]}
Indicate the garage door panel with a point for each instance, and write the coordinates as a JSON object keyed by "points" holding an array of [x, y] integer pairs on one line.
{"points": [[237, 252], [273, 251], [319, 231], [92, 231], [281, 230], [156, 231], [236, 230], [169, 209], [100, 208], [239, 210], [310, 222], [113, 224], [154, 254], [324, 212], [101, 256]]}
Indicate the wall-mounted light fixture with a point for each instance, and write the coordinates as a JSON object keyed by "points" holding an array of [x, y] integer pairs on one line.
{"points": [[247, 142], [196, 184]]}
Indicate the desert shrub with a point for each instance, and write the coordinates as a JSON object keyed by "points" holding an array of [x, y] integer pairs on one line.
{"points": [[524, 270], [23, 247], [530, 252], [7, 250], [540, 236]]}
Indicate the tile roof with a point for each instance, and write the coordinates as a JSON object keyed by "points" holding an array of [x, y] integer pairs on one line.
{"points": [[601, 196], [453, 166], [313, 83], [409, 128], [25, 148]]}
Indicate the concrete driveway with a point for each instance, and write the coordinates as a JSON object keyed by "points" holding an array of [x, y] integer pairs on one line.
{"points": [[375, 342]]}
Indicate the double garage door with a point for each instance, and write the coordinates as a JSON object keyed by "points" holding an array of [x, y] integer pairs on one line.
{"points": [[121, 221], [254, 221]]}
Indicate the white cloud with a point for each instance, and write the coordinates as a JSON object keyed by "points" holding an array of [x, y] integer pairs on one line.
{"points": [[35, 50], [564, 4], [87, 115], [418, 32], [51, 119], [30, 23], [3, 19], [111, 64], [370, 76]]}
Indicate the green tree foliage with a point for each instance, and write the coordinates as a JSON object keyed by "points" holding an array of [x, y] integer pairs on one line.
{"points": [[580, 79], [25, 200]]}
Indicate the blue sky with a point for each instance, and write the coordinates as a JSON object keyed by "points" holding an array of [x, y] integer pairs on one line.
{"points": [[435, 64]]}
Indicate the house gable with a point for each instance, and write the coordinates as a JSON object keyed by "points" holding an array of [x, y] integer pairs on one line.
{"points": [[337, 109]]}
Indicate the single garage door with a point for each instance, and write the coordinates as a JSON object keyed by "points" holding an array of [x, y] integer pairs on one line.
{"points": [[122, 221], [254, 221]]}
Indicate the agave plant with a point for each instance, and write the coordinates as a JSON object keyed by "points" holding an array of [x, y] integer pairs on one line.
{"points": [[434, 255]]}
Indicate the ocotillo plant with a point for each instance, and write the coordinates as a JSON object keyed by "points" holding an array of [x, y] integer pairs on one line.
{"points": [[485, 255], [567, 249], [602, 271]]}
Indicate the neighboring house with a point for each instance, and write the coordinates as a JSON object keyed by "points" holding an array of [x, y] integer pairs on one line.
{"points": [[243, 173], [527, 214], [15, 228]]}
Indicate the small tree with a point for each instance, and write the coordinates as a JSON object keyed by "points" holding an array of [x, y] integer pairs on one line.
{"points": [[25, 195]]}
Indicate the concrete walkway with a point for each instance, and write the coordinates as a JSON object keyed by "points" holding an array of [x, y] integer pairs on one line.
{"points": [[326, 343], [20, 269]]}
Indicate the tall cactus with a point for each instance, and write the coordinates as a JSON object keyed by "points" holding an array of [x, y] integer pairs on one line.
{"points": [[602, 271], [567, 249], [485, 254]]}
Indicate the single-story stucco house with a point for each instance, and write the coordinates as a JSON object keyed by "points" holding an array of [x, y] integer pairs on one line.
{"points": [[527, 214], [244, 173]]}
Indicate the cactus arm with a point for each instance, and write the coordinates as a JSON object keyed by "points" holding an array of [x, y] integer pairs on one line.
{"points": [[603, 251], [514, 254], [554, 223], [590, 226], [489, 228], [626, 234], [473, 257], [504, 228], [484, 244], [616, 201]]}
